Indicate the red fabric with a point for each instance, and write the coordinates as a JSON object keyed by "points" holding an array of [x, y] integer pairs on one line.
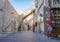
{"points": [[35, 23], [49, 22]]}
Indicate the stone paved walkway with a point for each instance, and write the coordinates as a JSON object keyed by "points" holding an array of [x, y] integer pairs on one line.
{"points": [[27, 36]]}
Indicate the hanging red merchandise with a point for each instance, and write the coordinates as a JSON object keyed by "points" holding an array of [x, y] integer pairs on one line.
{"points": [[36, 24], [49, 22]]}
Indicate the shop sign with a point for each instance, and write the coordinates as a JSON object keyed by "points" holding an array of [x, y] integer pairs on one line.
{"points": [[55, 3]]}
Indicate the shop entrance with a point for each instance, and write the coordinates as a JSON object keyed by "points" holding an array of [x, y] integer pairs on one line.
{"points": [[56, 21]]}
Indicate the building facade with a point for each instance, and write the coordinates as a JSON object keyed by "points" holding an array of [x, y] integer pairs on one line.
{"points": [[8, 16], [55, 11], [43, 15]]}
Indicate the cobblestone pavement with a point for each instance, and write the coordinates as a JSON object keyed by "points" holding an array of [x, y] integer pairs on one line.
{"points": [[27, 36]]}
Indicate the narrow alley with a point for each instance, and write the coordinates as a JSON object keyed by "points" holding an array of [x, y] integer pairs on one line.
{"points": [[29, 20], [27, 36]]}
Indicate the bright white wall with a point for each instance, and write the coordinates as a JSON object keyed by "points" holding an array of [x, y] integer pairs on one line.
{"points": [[8, 9], [7, 14], [40, 10]]}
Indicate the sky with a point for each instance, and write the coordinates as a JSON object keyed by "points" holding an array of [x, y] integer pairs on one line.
{"points": [[21, 5]]}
